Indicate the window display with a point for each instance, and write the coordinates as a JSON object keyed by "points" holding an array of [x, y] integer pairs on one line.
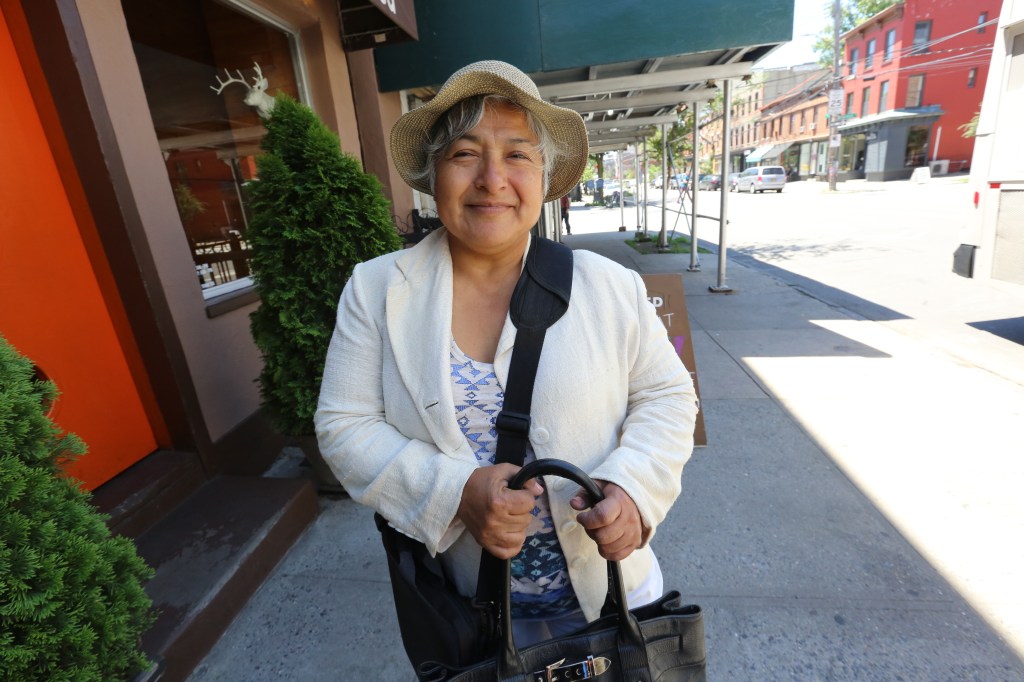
{"points": [[209, 70]]}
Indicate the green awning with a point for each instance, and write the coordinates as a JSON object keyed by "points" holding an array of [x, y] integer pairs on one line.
{"points": [[758, 154]]}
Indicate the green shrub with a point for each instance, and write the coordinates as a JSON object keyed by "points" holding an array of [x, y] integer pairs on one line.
{"points": [[316, 215], [72, 606]]}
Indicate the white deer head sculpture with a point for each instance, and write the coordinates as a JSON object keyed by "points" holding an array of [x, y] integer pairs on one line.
{"points": [[257, 95]]}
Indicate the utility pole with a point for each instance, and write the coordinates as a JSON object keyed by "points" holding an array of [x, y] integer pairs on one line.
{"points": [[834, 111]]}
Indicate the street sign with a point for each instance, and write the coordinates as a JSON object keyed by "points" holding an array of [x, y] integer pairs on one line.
{"points": [[835, 140], [835, 101]]}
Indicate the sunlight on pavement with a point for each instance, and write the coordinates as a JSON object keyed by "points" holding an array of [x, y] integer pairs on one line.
{"points": [[947, 471]]}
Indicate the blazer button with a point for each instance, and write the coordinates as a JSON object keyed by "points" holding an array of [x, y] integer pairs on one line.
{"points": [[569, 526], [541, 435]]}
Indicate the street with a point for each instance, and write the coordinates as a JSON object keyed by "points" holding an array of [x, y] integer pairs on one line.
{"points": [[936, 451], [883, 251]]}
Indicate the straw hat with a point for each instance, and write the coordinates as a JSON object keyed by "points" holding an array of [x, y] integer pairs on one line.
{"points": [[492, 78]]}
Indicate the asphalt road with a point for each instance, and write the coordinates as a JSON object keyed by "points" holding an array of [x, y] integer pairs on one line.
{"points": [[883, 251]]}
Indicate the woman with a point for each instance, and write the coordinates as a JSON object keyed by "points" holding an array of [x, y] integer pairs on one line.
{"points": [[422, 347]]}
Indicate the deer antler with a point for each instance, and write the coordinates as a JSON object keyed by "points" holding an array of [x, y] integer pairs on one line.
{"points": [[231, 79]]}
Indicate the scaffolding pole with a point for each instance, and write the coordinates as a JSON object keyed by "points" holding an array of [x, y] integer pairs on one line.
{"points": [[723, 220]]}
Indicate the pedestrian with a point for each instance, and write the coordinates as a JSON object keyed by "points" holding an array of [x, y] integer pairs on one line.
{"points": [[565, 212], [421, 350]]}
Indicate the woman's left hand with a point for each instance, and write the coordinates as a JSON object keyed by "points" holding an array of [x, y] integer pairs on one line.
{"points": [[614, 523]]}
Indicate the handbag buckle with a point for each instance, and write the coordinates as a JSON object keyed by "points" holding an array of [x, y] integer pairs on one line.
{"points": [[583, 670]]}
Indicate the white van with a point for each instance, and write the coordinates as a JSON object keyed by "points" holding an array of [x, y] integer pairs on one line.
{"points": [[992, 239], [761, 179]]}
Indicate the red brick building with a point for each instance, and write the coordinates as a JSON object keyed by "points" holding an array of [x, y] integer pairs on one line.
{"points": [[912, 75]]}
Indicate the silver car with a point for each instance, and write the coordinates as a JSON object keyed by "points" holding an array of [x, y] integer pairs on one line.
{"points": [[761, 178]]}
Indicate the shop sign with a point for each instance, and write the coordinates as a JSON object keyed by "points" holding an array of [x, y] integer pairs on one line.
{"points": [[666, 293]]}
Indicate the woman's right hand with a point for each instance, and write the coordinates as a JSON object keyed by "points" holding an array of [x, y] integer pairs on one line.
{"points": [[496, 516]]}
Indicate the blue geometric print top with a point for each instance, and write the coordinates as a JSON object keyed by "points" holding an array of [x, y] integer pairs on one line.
{"points": [[540, 577]]}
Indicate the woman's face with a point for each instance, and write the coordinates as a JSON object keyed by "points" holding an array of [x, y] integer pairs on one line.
{"points": [[489, 184]]}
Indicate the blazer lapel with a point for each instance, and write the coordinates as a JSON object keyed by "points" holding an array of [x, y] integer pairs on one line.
{"points": [[419, 320]]}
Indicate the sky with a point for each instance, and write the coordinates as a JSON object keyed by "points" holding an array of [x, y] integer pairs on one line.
{"points": [[809, 17]]}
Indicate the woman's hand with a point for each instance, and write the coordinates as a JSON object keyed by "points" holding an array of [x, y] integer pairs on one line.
{"points": [[495, 515], [614, 523]]}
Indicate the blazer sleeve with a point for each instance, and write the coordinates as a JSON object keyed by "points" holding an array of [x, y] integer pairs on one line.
{"points": [[409, 481], [657, 435]]}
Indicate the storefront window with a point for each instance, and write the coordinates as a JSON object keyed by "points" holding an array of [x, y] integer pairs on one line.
{"points": [[851, 153], [917, 146], [187, 51]]}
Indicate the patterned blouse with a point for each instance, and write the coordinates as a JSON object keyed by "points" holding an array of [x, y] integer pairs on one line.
{"points": [[540, 577]]}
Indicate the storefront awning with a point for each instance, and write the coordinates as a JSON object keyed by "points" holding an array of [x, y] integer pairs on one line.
{"points": [[777, 150], [758, 154], [873, 122], [374, 23]]}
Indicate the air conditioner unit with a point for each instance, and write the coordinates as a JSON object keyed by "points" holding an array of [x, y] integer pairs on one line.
{"points": [[940, 167]]}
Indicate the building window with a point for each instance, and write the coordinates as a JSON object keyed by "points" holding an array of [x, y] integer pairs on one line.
{"points": [[917, 146], [865, 102], [792, 120], [803, 119], [883, 96], [982, 20], [869, 55], [890, 44], [854, 56], [210, 140], [915, 91], [972, 78], [922, 36], [849, 103]]}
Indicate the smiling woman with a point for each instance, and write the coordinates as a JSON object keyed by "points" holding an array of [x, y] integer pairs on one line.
{"points": [[421, 355]]}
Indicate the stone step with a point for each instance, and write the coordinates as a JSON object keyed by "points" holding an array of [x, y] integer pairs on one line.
{"points": [[211, 553], [143, 494]]}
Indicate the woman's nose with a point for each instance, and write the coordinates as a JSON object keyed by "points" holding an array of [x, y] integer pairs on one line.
{"points": [[492, 176]]}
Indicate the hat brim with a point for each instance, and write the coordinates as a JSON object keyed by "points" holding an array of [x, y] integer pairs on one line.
{"points": [[565, 127]]}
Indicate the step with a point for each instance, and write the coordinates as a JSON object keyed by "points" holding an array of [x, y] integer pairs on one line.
{"points": [[211, 553], [143, 494]]}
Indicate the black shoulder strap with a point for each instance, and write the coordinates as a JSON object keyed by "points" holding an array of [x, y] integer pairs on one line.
{"points": [[540, 298]]}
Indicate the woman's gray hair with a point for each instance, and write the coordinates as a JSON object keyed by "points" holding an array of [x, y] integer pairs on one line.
{"points": [[466, 115]]}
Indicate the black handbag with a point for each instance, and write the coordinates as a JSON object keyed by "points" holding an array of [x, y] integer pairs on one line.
{"points": [[659, 642], [437, 623]]}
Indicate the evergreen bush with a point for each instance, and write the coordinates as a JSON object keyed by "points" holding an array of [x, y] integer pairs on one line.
{"points": [[72, 606], [316, 215]]}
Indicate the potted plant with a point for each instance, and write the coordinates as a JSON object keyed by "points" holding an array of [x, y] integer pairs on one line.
{"points": [[316, 215], [72, 605]]}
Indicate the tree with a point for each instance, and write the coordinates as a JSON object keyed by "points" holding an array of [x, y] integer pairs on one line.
{"points": [[316, 215], [970, 129], [72, 606], [853, 13]]}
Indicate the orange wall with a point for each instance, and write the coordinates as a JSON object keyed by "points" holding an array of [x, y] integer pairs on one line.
{"points": [[51, 306]]}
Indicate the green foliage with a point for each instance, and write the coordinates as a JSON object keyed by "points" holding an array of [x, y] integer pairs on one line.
{"points": [[852, 13], [970, 129], [316, 215], [72, 606]]}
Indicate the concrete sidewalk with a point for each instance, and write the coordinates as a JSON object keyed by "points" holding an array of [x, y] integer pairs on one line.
{"points": [[856, 514]]}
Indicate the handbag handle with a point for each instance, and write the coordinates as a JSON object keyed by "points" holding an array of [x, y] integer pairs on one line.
{"points": [[630, 640]]}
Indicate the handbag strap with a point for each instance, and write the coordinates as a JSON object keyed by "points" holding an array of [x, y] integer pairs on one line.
{"points": [[540, 298], [630, 641]]}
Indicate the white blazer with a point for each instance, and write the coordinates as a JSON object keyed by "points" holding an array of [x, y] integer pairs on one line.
{"points": [[611, 396]]}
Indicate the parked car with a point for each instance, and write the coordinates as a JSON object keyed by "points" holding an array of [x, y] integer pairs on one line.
{"points": [[611, 192], [709, 181], [761, 179], [732, 180]]}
